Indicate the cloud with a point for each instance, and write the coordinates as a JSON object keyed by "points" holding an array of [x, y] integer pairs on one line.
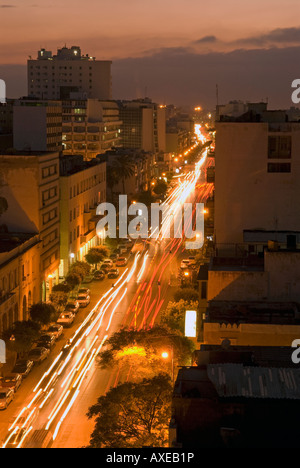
{"points": [[206, 39], [276, 36], [7, 6]]}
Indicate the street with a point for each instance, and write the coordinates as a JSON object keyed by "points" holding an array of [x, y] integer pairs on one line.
{"points": [[57, 396]]}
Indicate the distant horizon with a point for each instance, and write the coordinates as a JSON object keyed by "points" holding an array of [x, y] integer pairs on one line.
{"points": [[178, 52]]}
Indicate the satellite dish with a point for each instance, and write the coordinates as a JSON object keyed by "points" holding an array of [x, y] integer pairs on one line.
{"points": [[226, 344]]}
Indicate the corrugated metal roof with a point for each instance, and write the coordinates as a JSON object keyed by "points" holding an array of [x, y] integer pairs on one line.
{"points": [[236, 380]]}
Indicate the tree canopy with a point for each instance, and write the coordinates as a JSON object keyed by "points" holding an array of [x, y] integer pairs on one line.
{"points": [[96, 255], [142, 350], [133, 415], [43, 313], [20, 337]]}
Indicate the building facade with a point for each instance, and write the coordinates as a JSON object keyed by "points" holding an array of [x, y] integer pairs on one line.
{"points": [[56, 76], [90, 126], [19, 277], [30, 184], [37, 125], [82, 188]]}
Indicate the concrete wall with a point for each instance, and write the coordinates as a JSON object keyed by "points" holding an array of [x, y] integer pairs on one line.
{"points": [[247, 196], [251, 334], [237, 286]]}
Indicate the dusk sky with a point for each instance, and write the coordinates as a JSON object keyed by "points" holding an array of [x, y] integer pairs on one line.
{"points": [[171, 49]]}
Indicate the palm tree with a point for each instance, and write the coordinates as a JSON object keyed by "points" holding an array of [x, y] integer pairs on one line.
{"points": [[123, 168]]}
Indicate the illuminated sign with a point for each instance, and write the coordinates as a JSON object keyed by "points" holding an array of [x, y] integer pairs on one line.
{"points": [[2, 352], [191, 324]]}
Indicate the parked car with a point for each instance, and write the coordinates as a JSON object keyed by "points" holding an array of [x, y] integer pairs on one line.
{"points": [[84, 291], [23, 367], [87, 279], [192, 260], [39, 354], [66, 319], [185, 264], [122, 261], [6, 397], [108, 262], [114, 256], [11, 381], [113, 273], [105, 268], [123, 249], [83, 300], [56, 331], [72, 307], [46, 341], [99, 275]]}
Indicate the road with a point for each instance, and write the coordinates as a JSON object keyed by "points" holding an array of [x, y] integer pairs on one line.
{"points": [[56, 397]]}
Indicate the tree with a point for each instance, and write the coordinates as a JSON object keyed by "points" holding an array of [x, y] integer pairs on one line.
{"points": [[43, 313], [133, 415], [81, 268], [160, 188], [146, 197], [123, 167], [174, 315], [187, 295], [96, 255], [141, 350], [73, 279], [21, 336]]}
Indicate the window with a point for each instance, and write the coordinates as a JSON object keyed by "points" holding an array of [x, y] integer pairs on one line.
{"points": [[280, 147], [279, 167]]}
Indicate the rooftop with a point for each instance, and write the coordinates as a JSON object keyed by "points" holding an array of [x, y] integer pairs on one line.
{"points": [[10, 241]]}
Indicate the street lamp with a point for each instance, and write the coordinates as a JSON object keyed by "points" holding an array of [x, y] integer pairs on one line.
{"points": [[165, 355]]}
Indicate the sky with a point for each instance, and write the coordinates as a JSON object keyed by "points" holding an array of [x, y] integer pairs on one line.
{"points": [[175, 50]]}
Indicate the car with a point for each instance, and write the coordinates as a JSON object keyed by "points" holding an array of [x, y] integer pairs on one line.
{"points": [[11, 381], [23, 367], [123, 249], [105, 268], [56, 331], [185, 264], [99, 275], [6, 397], [66, 319], [16, 436], [83, 300], [113, 273], [122, 261], [46, 341], [192, 260], [72, 307], [108, 262], [88, 279], [84, 291], [39, 354], [114, 256]]}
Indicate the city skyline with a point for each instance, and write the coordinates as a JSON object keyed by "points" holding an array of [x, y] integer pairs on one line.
{"points": [[168, 51]]}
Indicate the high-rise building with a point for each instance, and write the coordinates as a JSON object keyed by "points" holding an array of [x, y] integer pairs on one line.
{"points": [[37, 125], [56, 76], [90, 126], [144, 125]]}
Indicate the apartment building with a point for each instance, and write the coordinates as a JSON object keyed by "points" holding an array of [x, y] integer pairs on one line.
{"points": [[90, 126], [30, 184], [37, 125], [82, 188], [19, 276], [256, 177], [56, 76], [144, 125]]}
